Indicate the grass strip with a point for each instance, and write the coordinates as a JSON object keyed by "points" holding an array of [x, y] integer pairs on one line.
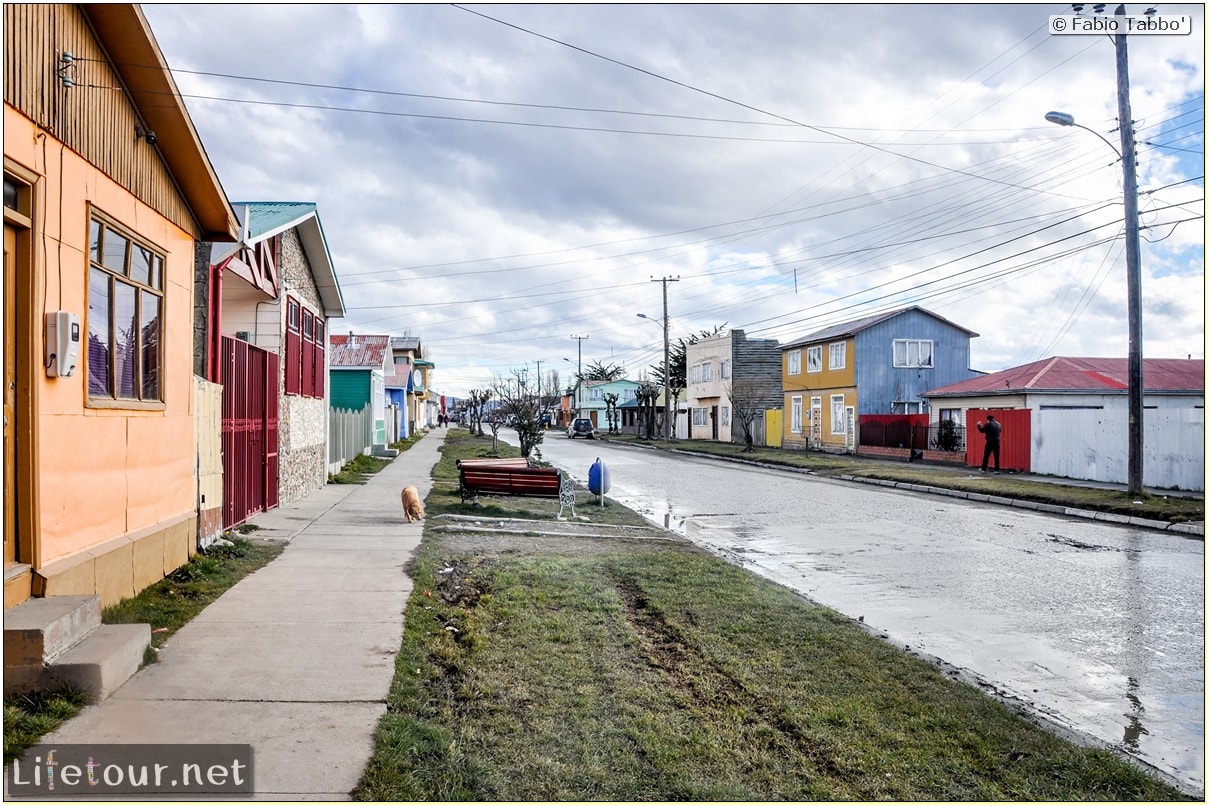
{"points": [[597, 669], [358, 470]]}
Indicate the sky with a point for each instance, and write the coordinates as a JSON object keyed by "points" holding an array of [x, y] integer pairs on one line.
{"points": [[498, 180]]}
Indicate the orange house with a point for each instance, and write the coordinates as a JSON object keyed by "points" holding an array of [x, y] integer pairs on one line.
{"points": [[106, 191]]}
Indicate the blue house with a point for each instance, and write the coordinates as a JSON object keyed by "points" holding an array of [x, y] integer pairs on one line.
{"points": [[880, 364]]}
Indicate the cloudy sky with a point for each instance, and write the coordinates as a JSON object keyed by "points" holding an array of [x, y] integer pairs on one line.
{"points": [[496, 179]]}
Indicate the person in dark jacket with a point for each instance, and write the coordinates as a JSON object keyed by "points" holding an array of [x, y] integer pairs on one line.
{"points": [[991, 429]]}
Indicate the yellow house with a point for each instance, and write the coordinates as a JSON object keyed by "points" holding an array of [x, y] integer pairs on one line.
{"points": [[819, 384], [106, 191]]}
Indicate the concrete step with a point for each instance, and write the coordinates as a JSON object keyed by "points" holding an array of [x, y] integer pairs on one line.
{"points": [[58, 642], [101, 662], [39, 630]]}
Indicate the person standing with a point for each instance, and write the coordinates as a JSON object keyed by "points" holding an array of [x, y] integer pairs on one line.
{"points": [[991, 429]]}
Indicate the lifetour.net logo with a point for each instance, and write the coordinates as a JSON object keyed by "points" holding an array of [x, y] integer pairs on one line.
{"points": [[106, 771]]}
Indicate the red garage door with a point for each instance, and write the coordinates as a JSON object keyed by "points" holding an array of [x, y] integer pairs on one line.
{"points": [[1015, 440]]}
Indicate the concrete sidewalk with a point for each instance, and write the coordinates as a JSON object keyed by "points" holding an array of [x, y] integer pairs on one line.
{"points": [[297, 658]]}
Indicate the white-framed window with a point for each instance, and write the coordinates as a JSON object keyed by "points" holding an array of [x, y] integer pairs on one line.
{"points": [[794, 362], [694, 373], [838, 355], [594, 394], [700, 416], [907, 407], [795, 417], [913, 352], [950, 416], [838, 425], [814, 358], [726, 370], [629, 394], [707, 372], [724, 413]]}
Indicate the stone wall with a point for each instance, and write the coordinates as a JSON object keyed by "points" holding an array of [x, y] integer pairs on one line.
{"points": [[302, 421]]}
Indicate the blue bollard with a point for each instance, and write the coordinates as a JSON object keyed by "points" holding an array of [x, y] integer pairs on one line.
{"points": [[598, 479]]}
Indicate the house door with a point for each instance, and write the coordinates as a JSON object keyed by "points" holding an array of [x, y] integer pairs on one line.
{"points": [[816, 422], [10, 396], [713, 422], [249, 430]]}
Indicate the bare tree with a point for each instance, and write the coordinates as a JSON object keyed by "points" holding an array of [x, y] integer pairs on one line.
{"points": [[610, 399], [647, 394], [748, 399], [520, 405], [478, 397]]}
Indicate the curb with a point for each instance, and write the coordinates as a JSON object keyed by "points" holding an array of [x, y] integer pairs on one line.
{"points": [[1196, 529], [1191, 529]]}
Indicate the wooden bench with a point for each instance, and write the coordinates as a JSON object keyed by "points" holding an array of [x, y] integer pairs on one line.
{"points": [[507, 477]]}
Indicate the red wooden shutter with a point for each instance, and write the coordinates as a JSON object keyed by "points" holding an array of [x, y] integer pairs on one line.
{"points": [[308, 352], [293, 347], [320, 358]]}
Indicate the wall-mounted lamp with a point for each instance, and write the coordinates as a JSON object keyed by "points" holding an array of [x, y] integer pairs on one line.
{"points": [[145, 134]]}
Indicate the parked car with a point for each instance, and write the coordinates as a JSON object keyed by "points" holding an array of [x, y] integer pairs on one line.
{"points": [[581, 428]]}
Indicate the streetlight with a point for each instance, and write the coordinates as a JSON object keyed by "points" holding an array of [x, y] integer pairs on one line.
{"points": [[1133, 258], [579, 373], [666, 391]]}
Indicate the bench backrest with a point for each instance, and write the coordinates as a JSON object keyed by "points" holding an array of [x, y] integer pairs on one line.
{"points": [[511, 480]]}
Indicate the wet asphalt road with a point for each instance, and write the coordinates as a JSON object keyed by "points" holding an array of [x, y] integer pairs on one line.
{"points": [[1098, 627]]}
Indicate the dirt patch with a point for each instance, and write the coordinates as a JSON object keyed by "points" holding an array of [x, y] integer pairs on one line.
{"points": [[461, 583]]}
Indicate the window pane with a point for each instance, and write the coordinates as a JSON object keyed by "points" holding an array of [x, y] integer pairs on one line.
{"points": [[12, 194], [114, 256], [140, 265], [157, 273], [94, 241], [308, 326], [913, 354], [98, 334], [149, 313], [925, 353], [125, 352]]}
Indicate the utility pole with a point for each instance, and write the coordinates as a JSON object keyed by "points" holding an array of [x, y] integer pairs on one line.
{"points": [[579, 373], [1133, 262], [539, 390], [666, 351]]}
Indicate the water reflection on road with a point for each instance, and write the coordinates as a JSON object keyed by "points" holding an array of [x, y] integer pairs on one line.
{"points": [[1098, 627]]}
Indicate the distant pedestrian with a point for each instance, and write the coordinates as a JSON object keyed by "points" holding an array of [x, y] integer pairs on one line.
{"points": [[991, 429]]}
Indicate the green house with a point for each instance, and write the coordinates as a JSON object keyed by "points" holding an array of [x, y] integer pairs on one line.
{"points": [[358, 368]]}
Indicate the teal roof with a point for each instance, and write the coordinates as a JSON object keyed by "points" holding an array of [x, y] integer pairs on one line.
{"points": [[266, 217]]}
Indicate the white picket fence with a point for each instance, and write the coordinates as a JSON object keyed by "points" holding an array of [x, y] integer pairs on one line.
{"points": [[349, 434]]}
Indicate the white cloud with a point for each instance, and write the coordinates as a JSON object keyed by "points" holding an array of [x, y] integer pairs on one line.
{"points": [[503, 240]]}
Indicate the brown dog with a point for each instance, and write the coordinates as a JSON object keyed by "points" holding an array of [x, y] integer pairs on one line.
{"points": [[412, 508]]}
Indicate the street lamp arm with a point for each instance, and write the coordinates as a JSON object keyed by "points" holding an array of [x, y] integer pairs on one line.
{"points": [[1063, 119]]}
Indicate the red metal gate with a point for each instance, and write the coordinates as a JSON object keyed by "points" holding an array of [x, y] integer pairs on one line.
{"points": [[249, 430], [1015, 440]]}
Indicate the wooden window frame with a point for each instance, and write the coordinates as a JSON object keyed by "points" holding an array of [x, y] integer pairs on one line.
{"points": [[114, 277]]}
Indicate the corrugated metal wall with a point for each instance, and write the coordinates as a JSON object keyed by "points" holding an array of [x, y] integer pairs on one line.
{"points": [[1094, 445], [1015, 440]]}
